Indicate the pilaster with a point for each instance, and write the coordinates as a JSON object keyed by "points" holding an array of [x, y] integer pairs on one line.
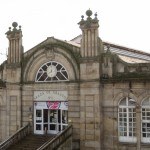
{"points": [[90, 91], [15, 49]]}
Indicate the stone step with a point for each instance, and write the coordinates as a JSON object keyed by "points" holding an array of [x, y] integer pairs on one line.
{"points": [[31, 142]]}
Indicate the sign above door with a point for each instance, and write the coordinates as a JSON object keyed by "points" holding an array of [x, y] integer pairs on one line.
{"points": [[50, 95]]}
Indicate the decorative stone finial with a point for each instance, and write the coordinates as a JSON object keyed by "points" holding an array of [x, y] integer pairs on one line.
{"points": [[19, 27], [14, 24], [89, 21], [14, 30], [82, 17], [108, 49], [89, 13], [95, 16]]}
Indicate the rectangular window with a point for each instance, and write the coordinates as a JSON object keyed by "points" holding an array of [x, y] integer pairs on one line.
{"points": [[146, 124], [127, 124]]}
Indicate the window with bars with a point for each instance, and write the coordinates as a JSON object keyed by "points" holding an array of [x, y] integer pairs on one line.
{"points": [[50, 72], [145, 121], [127, 120]]}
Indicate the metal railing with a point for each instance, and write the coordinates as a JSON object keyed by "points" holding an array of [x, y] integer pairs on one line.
{"points": [[20, 134], [58, 140]]}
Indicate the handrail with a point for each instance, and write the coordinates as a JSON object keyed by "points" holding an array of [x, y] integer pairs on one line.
{"points": [[58, 140], [21, 133]]}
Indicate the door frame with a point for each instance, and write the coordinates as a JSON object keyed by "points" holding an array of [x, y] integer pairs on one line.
{"points": [[59, 123], [36, 118]]}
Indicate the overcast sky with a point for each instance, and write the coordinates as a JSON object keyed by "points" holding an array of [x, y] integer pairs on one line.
{"points": [[122, 22]]}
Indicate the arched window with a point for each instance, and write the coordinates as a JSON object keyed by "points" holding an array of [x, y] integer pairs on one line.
{"points": [[146, 121], [127, 120], [50, 72]]}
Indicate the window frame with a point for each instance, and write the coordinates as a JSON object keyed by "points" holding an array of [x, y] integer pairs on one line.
{"points": [[145, 121], [127, 121], [61, 74]]}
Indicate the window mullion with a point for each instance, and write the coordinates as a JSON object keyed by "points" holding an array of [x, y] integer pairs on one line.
{"points": [[127, 109], [61, 74]]}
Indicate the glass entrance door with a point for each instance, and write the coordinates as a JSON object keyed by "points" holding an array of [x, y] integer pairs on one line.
{"points": [[53, 122], [50, 121], [64, 116], [45, 120], [58, 120], [38, 122]]}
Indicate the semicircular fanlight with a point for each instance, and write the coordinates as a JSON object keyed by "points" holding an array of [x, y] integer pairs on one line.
{"points": [[50, 72]]}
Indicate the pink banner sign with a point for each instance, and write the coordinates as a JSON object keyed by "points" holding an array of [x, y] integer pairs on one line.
{"points": [[53, 105]]}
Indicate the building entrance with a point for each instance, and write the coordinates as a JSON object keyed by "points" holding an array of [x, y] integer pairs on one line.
{"points": [[49, 121]]}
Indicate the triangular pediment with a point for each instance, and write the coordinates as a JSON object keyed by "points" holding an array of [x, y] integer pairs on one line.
{"points": [[53, 42]]}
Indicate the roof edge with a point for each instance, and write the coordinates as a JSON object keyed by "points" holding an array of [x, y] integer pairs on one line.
{"points": [[126, 48]]}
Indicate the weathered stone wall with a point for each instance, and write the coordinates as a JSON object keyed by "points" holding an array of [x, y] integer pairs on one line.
{"points": [[74, 112], [90, 116], [10, 110], [67, 145], [112, 94], [3, 114], [90, 106]]}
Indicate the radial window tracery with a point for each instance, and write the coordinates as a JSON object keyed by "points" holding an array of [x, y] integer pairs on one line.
{"points": [[50, 72]]}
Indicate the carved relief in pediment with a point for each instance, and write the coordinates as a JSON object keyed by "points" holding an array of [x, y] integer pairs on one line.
{"points": [[49, 52]]}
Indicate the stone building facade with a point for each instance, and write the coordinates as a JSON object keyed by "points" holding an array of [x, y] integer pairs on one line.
{"points": [[102, 89]]}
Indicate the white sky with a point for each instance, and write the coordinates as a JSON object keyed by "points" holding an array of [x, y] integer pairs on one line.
{"points": [[122, 22]]}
